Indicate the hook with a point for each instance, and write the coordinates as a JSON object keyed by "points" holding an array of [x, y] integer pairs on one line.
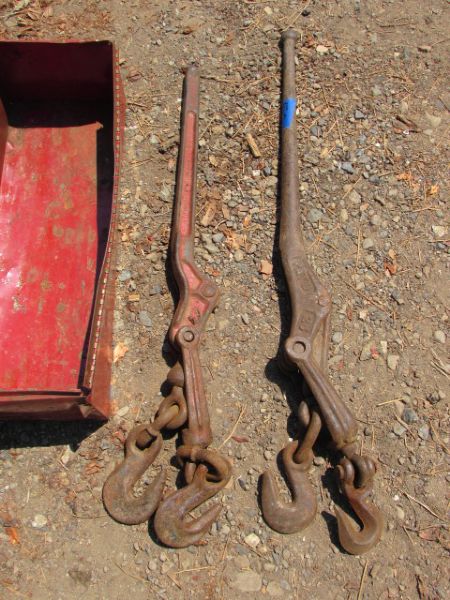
{"points": [[291, 517], [170, 522], [352, 540], [118, 488]]}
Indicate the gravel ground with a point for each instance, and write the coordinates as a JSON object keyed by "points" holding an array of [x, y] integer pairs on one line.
{"points": [[373, 130]]}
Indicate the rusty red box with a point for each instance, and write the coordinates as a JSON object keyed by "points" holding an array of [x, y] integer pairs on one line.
{"points": [[61, 124]]}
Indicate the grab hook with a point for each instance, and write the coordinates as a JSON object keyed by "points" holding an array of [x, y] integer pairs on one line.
{"points": [[170, 523], [352, 540], [118, 496], [291, 517]]}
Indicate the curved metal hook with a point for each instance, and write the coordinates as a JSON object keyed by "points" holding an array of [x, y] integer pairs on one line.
{"points": [[170, 522], [352, 540], [291, 517], [118, 488]]}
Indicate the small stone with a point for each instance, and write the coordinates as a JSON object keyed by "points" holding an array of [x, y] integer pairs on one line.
{"points": [[319, 461], [398, 429], [321, 50], [152, 565], [267, 454], [314, 215], [337, 337], [439, 231], [424, 48], [123, 411], [145, 319], [275, 590], [424, 432], [67, 455], [217, 237], [245, 319], [354, 197], [409, 416], [359, 115], [39, 521], [247, 581], [155, 290], [376, 91], [368, 243], [344, 215], [125, 275], [252, 540], [433, 120], [383, 347], [238, 256], [367, 351], [400, 513], [392, 361], [439, 336], [347, 167]]}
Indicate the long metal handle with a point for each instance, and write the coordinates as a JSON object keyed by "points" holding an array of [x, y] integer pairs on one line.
{"points": [[307, 345], [198, 294]]}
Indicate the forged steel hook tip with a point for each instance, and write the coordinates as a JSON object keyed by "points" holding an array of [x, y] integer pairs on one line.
{"points": [[352, 540], [171, 524], [289, 517], [118, 497]]}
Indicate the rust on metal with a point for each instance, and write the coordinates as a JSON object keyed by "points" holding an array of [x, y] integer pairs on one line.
{"points": [[306, 349], [171, 523], [206, 472]]}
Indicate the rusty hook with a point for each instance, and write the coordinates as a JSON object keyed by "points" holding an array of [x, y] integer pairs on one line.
{"points": [[291, 517], [170, 522], [118, 488], [352, 540]]}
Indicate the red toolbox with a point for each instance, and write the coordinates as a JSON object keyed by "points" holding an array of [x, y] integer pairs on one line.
{"points": [[61, 124]]}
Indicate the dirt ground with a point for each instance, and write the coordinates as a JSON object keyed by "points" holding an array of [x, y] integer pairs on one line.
{"points": [[373, 120]]}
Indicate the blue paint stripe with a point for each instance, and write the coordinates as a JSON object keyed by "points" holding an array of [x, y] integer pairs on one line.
{"points": [[288, 112]]}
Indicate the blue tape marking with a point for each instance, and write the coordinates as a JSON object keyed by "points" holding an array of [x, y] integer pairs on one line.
{"points": [[288, 112]]}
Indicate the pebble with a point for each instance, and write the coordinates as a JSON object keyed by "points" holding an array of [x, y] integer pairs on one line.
{"points": [[252, 540], [376, 91], [275, 590], [409, 416], [125, 275], [145, 319], [398, 429], [400, 513], [368, 243], [392, 361], [245, 319], [337, 337], [247, 581], [217, 237], [424, 432], [344, 215], [152, 565], [366, 352], [359, 115], [439, 231], [39, 521], [155, 290], [439, 336], [433, 120], [354, 197], [238, 256], [319, 461], [314, 215], [321, 50], [347, 167]]}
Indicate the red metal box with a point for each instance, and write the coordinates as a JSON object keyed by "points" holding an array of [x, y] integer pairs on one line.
{"points": [[61, 124]]}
